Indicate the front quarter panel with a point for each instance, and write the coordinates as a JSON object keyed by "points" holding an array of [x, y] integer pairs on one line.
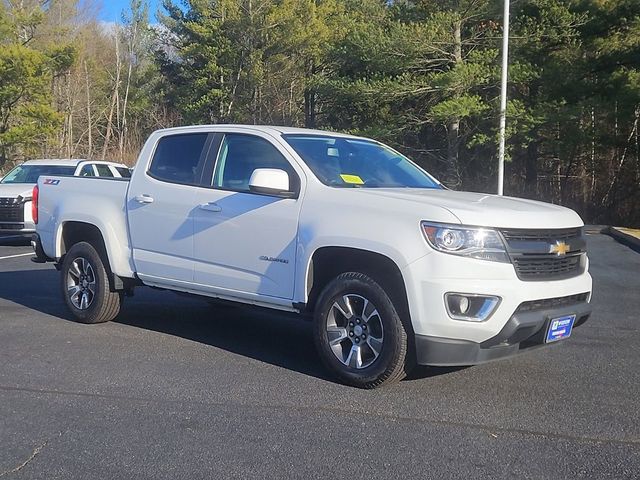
{"points": [[333, 217]]}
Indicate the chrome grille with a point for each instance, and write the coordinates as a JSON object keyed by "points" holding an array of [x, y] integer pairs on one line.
{"points": [[10, 211], [547, 268], [531, 252], [535, 235]]}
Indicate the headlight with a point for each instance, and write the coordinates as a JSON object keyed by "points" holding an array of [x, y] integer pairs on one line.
{"points": [[481, 243]]}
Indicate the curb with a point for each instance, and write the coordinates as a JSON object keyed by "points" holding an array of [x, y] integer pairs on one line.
{"points": [[595, 229], [627, 239]]}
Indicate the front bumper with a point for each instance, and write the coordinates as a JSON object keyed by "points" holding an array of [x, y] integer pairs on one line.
{"points": [[13, 228], [16, 232], [430, 278], [525, 329]]}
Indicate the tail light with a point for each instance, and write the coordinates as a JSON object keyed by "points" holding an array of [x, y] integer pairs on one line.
{"points": [[34, 204]]}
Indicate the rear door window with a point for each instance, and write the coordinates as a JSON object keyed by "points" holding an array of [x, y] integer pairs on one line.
{"points": [[87, 171], [103, 170], [180, 158]]}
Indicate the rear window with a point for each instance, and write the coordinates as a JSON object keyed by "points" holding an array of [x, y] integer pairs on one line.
{"points": [[103, 170], [179, 158], [124, 172], [87, 171]]}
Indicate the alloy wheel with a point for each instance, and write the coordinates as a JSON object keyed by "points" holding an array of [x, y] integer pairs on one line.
{"points": [[81, 283], [354, 331]]}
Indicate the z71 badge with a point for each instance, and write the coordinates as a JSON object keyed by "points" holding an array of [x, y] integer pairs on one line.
{"points": [[51, 181]]}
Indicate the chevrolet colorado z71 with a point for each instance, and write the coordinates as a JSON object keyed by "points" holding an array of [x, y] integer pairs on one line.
{"points": [[395, 269]]}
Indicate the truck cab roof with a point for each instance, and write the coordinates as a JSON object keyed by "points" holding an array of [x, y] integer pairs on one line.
{"points": [[271, 129]]}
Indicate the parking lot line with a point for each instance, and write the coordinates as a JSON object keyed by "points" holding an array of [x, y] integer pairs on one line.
{"points": [[15, 256]]}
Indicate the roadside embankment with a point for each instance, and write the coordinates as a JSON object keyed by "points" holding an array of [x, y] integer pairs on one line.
{"points": [[626, 236]]}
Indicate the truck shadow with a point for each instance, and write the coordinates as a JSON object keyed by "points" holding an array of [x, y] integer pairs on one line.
{"points": [[269, 337], [272, 337]]}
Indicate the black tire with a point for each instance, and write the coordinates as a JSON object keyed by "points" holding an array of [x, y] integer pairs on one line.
{"points": [[390, 364], [102, 305]]}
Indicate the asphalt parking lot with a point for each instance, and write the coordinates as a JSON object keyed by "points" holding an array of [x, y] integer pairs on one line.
{"points": [[178, 389]]}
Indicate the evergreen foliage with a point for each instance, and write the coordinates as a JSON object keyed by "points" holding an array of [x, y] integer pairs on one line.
{"points": [[421, 75]]}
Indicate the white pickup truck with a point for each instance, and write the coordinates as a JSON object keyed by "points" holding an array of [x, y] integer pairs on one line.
{"points": [[16, 187], [394, 269]]}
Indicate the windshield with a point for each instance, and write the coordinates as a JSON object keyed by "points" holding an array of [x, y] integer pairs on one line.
{"points": [[30, 173], [349, 162]]}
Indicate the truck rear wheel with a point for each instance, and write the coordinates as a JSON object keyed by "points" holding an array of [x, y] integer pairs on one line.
{"points": [[358, 332], [85, 285]]}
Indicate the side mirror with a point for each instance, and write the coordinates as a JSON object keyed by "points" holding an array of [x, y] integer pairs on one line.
{"points": [[270, 181]]}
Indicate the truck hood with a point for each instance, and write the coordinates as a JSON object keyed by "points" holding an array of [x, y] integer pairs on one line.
{"points": [[12, 190], [483, 209]]}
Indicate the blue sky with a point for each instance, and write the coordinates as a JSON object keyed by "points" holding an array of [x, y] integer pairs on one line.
{"points": [[111, 10]]}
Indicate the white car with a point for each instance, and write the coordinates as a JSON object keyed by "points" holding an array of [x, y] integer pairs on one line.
{"points": [[16, 187], [393, 268]]}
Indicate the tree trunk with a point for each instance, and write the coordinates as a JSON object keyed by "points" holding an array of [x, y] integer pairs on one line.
{"points": [[452, 174], [593, 155], [290, 116], [89, 119], [309, 108], [123, 130], [309, 99], [531, 168], [69, 140], [114, 101]]}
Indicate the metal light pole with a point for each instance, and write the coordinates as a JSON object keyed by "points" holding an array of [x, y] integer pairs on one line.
{"points": [[503, 96]]}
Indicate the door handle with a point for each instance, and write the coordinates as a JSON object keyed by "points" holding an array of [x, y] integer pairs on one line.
{"points": [[144, 198], [211, 207]]}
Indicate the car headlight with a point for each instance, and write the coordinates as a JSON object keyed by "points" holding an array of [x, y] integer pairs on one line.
{"points": [[480, 243]]}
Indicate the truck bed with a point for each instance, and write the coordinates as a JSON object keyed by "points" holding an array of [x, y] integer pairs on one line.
{"points": [[96, 201]]}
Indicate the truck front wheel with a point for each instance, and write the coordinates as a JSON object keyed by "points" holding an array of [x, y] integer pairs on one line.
{"points": [[358, 332], [85, 285]]}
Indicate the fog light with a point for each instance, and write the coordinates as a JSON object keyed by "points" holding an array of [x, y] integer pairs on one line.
{"points": [[463, 304], [470, 307]]}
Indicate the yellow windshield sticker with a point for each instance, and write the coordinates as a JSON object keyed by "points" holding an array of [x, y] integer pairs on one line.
{"points": [[354, 179]]}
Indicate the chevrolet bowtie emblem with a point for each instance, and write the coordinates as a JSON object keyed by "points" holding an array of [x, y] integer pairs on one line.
{"points": [[560, 248]]}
